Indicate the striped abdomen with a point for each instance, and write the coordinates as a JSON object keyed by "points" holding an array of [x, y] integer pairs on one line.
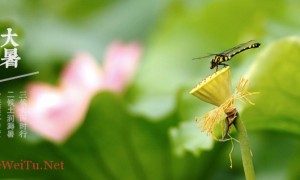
{"points": [[255, 45]]}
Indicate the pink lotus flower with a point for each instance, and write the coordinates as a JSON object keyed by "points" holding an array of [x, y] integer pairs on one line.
{"points": [[120, 65], [55, 112]]}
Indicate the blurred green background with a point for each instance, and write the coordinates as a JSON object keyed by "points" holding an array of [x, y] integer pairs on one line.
{"points": [[150, 132]]}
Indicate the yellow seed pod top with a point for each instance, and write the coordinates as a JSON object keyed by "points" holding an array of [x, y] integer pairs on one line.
{"points": [[216, 88]]}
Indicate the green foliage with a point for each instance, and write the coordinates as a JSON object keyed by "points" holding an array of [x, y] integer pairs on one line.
{"points": [[108, 146], [275, 74]]}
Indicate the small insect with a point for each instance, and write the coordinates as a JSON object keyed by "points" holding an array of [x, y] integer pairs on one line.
{"points": [[220, 58]]}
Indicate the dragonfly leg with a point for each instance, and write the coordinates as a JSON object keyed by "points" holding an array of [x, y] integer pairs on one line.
{"points": [[224, 65]]}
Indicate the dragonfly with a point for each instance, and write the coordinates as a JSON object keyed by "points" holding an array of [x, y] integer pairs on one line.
{"points": [[221, 58]]}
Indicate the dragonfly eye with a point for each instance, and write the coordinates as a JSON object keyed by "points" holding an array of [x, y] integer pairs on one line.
{"points": [[213, 65]]}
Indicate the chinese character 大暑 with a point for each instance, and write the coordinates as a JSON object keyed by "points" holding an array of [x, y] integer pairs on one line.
{"points": [[11, 58], [9, 38]]}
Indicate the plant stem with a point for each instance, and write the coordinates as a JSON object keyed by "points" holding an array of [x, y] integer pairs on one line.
{"points": [[245, 149]]}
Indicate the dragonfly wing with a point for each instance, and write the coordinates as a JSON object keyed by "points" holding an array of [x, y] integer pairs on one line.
{"points": [[228, 51], [204, 57]]}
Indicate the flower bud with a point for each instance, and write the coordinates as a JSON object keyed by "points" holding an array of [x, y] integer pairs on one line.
{"points": [[216, 88]]}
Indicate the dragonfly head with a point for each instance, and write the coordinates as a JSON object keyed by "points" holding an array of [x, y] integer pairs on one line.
{"points": [[213, 64]]}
